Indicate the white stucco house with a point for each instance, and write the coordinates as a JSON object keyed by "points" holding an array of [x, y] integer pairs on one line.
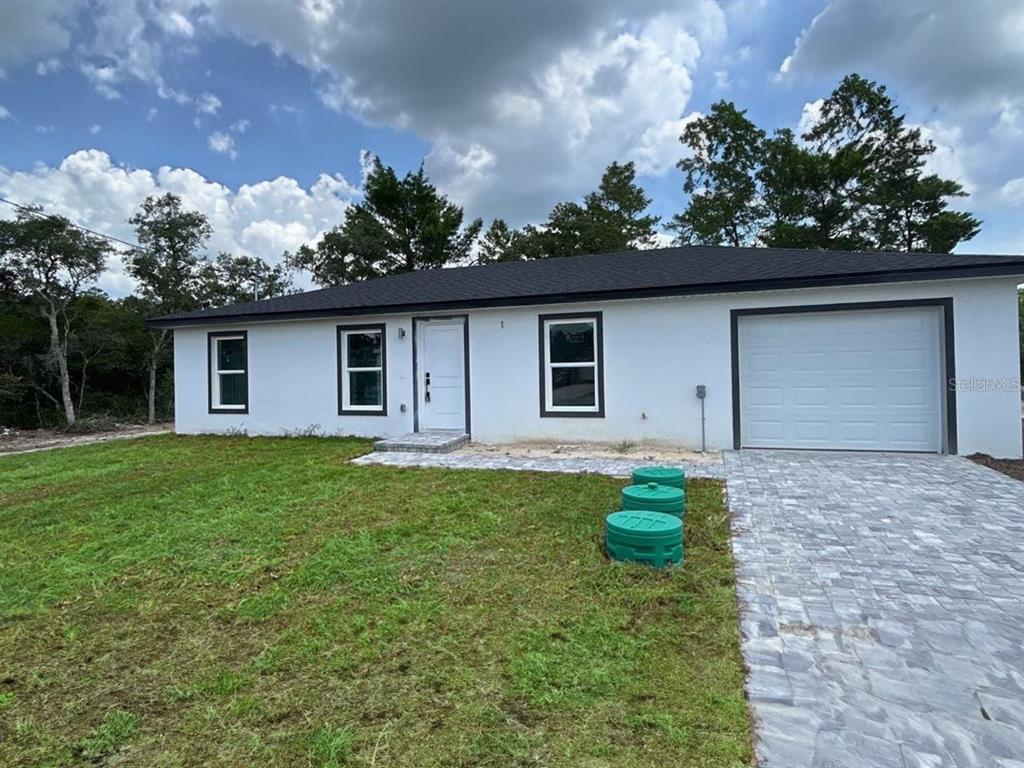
{"points": [[790, 348]]}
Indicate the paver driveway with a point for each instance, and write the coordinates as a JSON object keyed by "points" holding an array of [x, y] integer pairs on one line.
{"points": [[882, 603]]}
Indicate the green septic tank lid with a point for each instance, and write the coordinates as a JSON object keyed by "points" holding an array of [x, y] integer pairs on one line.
{"points": [[652, 496], [673, 476], [642, 522]]}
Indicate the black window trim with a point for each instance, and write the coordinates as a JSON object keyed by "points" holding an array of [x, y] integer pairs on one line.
{"points": [[210, 336], [339, 332], [598, 317]]}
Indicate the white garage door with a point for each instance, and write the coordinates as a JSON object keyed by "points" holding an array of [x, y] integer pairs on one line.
{"points": [[862, 380]]}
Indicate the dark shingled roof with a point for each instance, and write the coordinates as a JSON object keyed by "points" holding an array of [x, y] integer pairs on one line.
{"points": [[684, 271]]}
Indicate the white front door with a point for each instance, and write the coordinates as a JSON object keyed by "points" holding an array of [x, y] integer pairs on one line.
{"points": [[441, 374], [862, 380]]}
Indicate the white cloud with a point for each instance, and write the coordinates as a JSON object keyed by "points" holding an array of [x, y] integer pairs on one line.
{"points": [[174, 22], [262, 219], [810, 116], [239, 126], [566, 88], [94, 129], [4, 112], [103, 79], [208, 104], [125, 45], [949, 158], [1009, 124], [33, 29], [1012, 191], [48, 67], [223, 144], [953, 52], [591, 106], [151, 114], [45, 128], [955, 68]]}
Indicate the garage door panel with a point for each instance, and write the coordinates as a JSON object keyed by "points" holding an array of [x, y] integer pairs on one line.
{"points": [[812, 431], [766, 396], [808, 396], [862, 432], [761, 362], [867, 380], [767, 430], [857, 396], [858, 361], [810, 362], [911, 432], [910, 396]]}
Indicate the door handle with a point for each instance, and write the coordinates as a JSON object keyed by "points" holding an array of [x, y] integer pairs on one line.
{"points": [[426, 387]]}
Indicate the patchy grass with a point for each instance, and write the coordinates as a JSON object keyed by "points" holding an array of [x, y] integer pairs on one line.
{"points": [[176, 601]]}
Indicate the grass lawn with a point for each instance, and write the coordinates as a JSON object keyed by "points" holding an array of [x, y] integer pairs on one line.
{"points": [[182, 601]]}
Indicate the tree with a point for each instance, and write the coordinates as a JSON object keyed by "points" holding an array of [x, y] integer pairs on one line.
{"points": [[498, 244], [800, 205], [876, 176], [615, 212], [401, 225], [169, 268], [853, 181], [235, 279], [720, 176], [109, 339], [54, 262], [610, 219]]}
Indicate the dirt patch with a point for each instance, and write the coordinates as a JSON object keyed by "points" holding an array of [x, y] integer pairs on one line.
{"points": [[1012, 467], [654, 452], [28, 440]]}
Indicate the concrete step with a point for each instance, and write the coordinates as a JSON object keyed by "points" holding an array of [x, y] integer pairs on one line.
{"points": [[431, 441]]}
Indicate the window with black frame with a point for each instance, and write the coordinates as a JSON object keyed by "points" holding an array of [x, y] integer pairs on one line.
{"points": [[362, 374], [229, 372], [571, 366]]}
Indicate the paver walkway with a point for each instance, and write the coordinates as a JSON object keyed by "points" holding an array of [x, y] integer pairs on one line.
{"points": [[882, 604], [464, 460]]}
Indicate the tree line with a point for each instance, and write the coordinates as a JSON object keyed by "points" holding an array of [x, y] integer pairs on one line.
{"points": [[68, 348], [853, 180]]}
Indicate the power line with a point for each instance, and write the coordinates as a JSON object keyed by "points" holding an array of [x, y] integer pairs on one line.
{"points": [[35, 212]]}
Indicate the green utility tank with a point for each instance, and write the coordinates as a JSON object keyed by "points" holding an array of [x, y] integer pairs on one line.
{"points": [[671, 476], [654, 498], [644, 537]]}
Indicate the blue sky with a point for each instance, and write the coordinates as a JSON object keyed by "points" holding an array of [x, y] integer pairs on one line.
{"points": [[258, 114]]}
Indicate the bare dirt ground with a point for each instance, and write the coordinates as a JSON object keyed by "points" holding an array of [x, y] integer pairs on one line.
{"points": [[28, 440], [1012, 467], [655, 452]]}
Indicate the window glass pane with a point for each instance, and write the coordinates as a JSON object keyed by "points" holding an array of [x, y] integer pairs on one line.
{"points": [[232, 388], [364, 349], [231, 354], [364, 388], [572, 342], [573, 386]]}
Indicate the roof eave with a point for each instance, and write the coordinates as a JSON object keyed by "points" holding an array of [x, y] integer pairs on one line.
{"points": [[1015, 269]]}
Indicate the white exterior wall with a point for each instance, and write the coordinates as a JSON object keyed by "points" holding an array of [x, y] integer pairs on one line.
{"points": [[656, 352], [293, 380]]}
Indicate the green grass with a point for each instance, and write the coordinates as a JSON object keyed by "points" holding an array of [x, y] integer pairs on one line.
{"points": [[179, 601]]}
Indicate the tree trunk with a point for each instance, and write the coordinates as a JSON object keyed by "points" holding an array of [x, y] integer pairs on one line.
{"points": [[151, 418], [81, 385], [154, 364], [58, 353]]}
